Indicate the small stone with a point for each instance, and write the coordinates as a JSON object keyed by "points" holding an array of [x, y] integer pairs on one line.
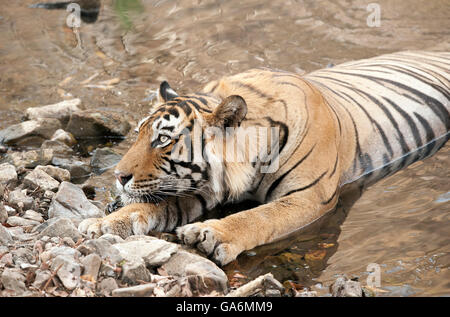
{"points": [[32, 132], [5, 237], [112, 238], [41, 278], [132, 272], [10, 210], [57, 173], [61, 110], [3, 214], [106, 286], [144, 290], [103, 248], [343, 287], [7, 173], [69, 242], [40, 179], [30, 159], [104, 159], [57, 148], [79, 171], [91, 265], [33, 215], [273, 293], [71, 202], [91, 123], [14, 281], [68, 271], [64, 137], [23, 256], [62, 227], [18, 197], [306, 294], [15, 221]]}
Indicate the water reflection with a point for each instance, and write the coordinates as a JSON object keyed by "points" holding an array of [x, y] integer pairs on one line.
{"points": [[89, 12]]}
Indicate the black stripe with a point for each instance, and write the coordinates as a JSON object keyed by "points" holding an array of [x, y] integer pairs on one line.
{"points": [[430, 136], [278, 181], [307, 186], [326, 202], [334, 167]]}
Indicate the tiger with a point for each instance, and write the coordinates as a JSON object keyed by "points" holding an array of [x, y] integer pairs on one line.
{"points": [[339, 127]]}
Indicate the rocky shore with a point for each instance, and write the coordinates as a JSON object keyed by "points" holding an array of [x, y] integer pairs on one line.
{"points": [[43, 198]]}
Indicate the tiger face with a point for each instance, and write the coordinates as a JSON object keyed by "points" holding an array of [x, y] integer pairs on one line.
{"points": [[168, 157]]}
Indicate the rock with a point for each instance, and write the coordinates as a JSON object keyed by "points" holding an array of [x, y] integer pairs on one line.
{"points": [[32, 132], [152, 252], [306, 294], [23, 256], [112, 238], [57, 173], [71, 202], [106, 286], [30, 159], [78, 170], [68, 271], [64, 137], [5, 236], [7, 173], [104, 159], [55, 251], [15, 221], [61, 110], [33, 215], [58, 148], [343, 287], [10, 210], [91, 265], [62, 227], [41, 278], [18, 199], [40, 179], [3, 214], [133, 272], [103, 248], [134, 291], [13, 280], [204, 276], [91, 123]]}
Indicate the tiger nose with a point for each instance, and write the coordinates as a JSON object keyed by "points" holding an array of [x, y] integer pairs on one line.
{"points": [[122, 177]]}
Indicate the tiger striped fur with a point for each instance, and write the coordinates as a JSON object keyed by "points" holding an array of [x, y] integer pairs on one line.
{"points": [[350, 124]]}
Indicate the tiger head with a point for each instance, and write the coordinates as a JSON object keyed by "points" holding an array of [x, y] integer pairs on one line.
{"points": [[164, 159]]}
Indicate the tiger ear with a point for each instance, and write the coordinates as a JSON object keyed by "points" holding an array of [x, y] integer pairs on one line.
{"points": [[166, 92], [229, 113]]}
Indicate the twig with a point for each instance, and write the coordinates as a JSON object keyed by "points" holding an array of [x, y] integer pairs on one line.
{"points": [[51, 277]]}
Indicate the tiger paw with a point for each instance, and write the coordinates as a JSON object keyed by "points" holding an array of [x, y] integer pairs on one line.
{"points": [[121, 225], [209, 239]]}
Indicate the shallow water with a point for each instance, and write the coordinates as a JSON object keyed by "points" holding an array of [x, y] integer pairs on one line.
{"points": [[401, 223]]}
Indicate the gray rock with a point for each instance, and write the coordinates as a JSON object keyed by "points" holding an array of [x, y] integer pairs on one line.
{"points": [[5, 237], [134, 291], [57, 173], [7, 173], [18, 199], [40, 179], [30, 159], [15, 221], [112, 238], [32, 132], [104, 159], [68, 271], [61, 110], [204, 276], [71, 202], [133, 272], [343, 287], [58, 148], [91, 265], [13, 280], [41, 278], [106, 286], [103, 248], [152, 252], [55, 251], [91, 123], [78, 169], [23, 256], [64, 137], [3, 214], [62, 227], [33, 215], [10, 210]]}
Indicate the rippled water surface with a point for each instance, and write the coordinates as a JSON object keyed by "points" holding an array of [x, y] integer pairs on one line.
{"points": [[402, 223]]}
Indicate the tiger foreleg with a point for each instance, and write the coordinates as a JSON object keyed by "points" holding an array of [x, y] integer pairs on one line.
{"points": [[133, 219], [224, 239]]}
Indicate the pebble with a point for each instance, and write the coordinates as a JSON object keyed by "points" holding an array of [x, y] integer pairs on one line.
{"points": [[18, 199], [106, 286], [64, 137], [3, 214], [13, 280], [5, 237], [7, 173], [71, 202], [343, 287], [15, 221], [91, 264], [37, 178], [31, 132], [33, 215], [68, 271], [61, 110], [134, 291], [62, 227]]}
